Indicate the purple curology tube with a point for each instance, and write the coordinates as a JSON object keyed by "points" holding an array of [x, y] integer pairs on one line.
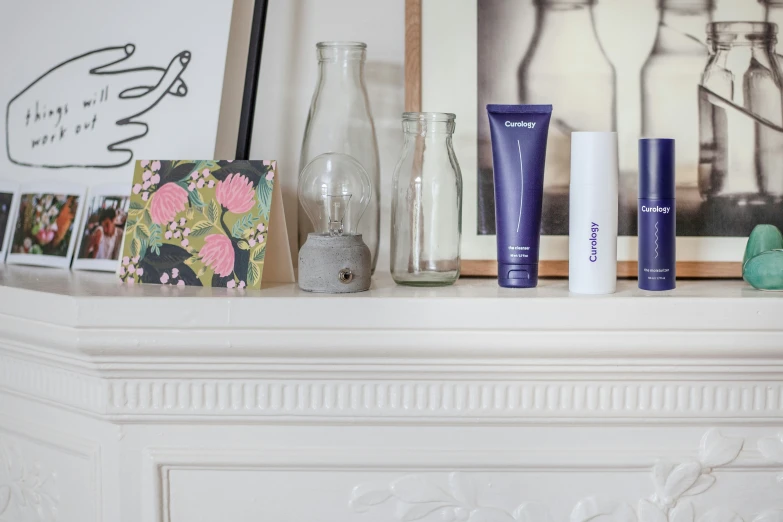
{"points": [[657, 210]]}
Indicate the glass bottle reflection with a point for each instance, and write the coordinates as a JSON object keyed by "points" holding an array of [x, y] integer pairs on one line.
{"points": [[741, 113], [340, 121], [670, 78], [773, 13], [565, 51]]}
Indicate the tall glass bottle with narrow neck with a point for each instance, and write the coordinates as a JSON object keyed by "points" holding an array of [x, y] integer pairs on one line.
{"points": [[670, 78], [426, 203], [565, 54], [340, 120]]}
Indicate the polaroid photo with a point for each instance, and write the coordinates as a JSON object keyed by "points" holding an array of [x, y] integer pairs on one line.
{"points": [[46, 224], [99, 244], [9, 193]]}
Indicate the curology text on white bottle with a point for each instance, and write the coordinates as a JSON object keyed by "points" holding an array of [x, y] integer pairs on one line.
{"points": [[592, 227]]}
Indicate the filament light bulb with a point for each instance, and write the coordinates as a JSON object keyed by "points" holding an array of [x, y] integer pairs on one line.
{"points": [[334, 190]]}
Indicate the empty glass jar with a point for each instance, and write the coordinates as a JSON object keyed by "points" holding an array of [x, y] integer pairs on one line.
{"points": [[740, 112], [426, 203], [340, 121]]}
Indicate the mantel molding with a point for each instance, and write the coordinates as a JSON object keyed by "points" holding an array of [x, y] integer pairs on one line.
{"points": [[460, 355]]}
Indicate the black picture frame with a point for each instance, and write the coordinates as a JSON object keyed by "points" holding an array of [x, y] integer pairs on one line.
{"points": [[252, 73]]}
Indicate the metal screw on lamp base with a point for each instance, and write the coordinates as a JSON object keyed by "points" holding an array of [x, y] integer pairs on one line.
{"points": [[334, 264]]}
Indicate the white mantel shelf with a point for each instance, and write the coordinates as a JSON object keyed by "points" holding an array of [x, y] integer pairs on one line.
{"points": [[470, 403]]}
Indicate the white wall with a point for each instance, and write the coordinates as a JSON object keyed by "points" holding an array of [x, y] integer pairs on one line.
{"points": [[288, 76]]}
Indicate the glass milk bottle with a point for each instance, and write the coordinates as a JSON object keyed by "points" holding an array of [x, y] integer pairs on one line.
{"points": [[670, 79], [741, 113], [340, 121], [566, 66], [426, 203]]}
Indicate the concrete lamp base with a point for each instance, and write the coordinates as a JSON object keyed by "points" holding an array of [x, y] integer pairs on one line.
{"points": [[334, 264]]}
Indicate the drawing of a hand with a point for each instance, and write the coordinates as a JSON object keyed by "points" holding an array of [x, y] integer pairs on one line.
{"points": [[86, 111]]}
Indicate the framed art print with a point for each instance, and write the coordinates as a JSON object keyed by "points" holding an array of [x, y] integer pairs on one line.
{"points": [[639, 68], [103, 221], [45, 225], [8, 202]]}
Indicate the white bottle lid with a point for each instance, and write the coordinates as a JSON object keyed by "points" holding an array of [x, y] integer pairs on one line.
{"points": [[594, 159]]}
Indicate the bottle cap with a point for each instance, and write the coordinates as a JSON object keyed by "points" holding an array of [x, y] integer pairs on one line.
{"points": [[517, 276], [656, 168], [594, 159]]}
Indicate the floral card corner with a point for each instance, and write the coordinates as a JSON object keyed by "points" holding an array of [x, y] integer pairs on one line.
{"points": [[198, 223]]}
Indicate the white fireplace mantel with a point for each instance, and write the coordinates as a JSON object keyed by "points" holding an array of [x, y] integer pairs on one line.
{"points": [[469, 403]]}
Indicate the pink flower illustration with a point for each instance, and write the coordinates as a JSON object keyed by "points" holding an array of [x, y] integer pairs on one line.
{"points": [[145, 196], [231, 284], [185, 242], [200, 183], [164, 278], [186, 232], [130, 281], [191, 186], [137, 188], [241, 284], [175, 272], [180, 283], [194, 174], [260, 227], [182, 222], [156, 166], [125, 261], [235, 193], [168, 234], [211, 183], [270, 175], [205, 172], [139, 272], [144, 163], [131, 269], [122, 270], [218, 254], [146, 184], [167, 202], [251, 242], [147, 175], [135, 260], [155, 179]]}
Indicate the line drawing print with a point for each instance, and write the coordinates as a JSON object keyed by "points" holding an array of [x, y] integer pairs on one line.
{"points": [[85, 112]]}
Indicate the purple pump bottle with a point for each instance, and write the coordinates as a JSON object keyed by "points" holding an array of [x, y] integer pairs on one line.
{"points": [[657, 230]]}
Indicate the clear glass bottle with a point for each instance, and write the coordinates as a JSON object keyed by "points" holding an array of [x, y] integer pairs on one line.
{"points": [[340, 120], [426, 221], [565, 52], [670, 77], [741, 113]]}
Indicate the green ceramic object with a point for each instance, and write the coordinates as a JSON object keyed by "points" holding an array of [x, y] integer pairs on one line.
{"points": [[765, 271], [762, 239]]}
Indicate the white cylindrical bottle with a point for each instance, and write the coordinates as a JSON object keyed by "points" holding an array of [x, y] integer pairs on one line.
{"points": [[592, 234]]}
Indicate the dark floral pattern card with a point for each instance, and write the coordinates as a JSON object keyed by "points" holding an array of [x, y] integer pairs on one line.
{"points": [[198, 223]]}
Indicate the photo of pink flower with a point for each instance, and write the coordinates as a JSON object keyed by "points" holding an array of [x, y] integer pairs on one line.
{"points": [[167, 202], [218, 254], [236, 194]]}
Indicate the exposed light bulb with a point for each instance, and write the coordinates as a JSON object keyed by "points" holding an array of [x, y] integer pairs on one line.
{"points": [[335, 191]]}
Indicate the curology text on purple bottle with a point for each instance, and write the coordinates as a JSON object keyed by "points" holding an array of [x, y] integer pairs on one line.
{"points": [[657, 212]]}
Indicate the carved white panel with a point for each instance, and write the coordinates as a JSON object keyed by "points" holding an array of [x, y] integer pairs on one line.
{"points": [[47, 476], [720, 481]]}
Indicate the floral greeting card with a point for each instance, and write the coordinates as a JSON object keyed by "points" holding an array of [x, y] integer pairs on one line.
{"points": [[199, 223]]}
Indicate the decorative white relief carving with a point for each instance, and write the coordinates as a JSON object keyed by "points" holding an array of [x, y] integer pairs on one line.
{"points": [[772, 449], [26, 492], [417, 497]]}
